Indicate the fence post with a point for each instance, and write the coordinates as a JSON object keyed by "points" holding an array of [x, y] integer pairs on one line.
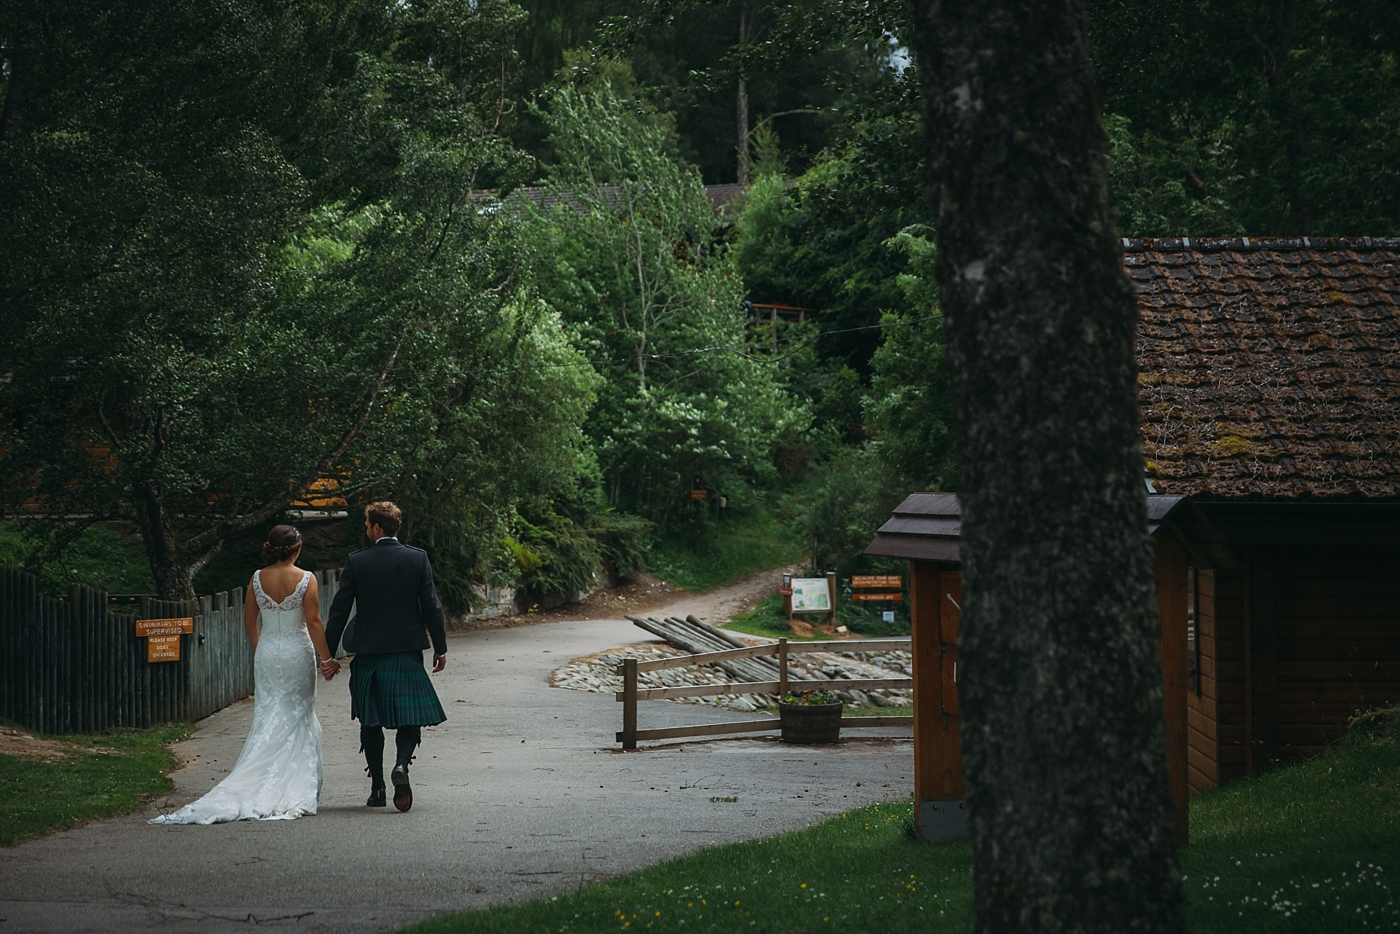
{"points": [[782, 667], [629, 703]]}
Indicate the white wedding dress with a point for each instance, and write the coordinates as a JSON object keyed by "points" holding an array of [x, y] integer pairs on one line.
{"points": [[278, 774]]}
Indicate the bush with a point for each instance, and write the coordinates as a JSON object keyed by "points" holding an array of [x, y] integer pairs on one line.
{"points": [[98, 556]]}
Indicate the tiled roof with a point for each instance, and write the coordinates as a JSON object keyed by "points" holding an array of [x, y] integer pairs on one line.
{"points": [[1270, 368]]}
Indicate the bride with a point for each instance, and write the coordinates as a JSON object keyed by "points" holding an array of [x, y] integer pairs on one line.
{"points": [[278, 774]]}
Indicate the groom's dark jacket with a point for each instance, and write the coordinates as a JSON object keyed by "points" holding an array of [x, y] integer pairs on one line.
{"points": [[396, 605]]}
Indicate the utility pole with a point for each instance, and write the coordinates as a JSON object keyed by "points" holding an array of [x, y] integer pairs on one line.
{"points": [[743, 101]]}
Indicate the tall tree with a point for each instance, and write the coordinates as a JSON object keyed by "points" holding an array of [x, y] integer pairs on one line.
{"points": [[240, 253], [1294, 103], [1063, 732]]}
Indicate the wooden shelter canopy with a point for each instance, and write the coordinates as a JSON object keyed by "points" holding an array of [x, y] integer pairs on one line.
{"points": [[928, 527]]}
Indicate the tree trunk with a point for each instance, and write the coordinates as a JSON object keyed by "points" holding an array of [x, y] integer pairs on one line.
{"points": [[1063, 736], [167, 560], [742, 107]]}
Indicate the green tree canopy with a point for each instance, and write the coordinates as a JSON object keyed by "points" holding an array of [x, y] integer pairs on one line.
{"points": [[629, 256]]}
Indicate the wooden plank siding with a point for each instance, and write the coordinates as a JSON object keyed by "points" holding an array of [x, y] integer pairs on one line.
{"points": [[1323, 629], [1336, 615], [1171, 565], [1228, 675], [1203, 727]]}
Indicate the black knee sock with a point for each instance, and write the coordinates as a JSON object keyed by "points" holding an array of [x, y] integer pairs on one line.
{"points": [[406, 739], [372, 745]]}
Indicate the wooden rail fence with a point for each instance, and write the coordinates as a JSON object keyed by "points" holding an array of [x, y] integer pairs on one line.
{"points": [[75, 666], [631, 693]]}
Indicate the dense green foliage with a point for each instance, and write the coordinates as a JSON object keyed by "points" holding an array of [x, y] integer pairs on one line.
{"points": [[1266, 118], [256, 256], [628, 254]]}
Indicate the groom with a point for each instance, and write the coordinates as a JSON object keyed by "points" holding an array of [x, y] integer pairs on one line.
{"points": [[397, 608]]}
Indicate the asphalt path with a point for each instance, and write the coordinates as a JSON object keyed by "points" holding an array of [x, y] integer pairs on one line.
{"points": [[520, 794]]}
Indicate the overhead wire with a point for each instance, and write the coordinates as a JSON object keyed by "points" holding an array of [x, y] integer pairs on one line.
{"points": [[767, 359]]}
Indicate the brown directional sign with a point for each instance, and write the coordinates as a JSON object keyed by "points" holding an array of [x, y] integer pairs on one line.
{"points": [[163, 648], [877, 580], [699, 494], [877, 596], [164, 627]]}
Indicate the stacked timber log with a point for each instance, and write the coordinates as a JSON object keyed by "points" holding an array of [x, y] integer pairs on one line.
{"points": [[698, 637]]}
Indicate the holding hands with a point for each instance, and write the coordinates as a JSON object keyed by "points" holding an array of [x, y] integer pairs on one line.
{"points": [[329, 667]]}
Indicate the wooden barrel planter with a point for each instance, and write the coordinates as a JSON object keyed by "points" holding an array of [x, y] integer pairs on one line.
{"points": [[810, 723]]}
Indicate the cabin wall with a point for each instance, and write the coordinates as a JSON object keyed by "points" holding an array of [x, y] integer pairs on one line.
{"points": [[1202, 719], [1336, 642], [1307, 637], [1171, 564]]}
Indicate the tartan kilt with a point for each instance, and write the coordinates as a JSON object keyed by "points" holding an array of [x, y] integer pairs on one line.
{"points": [[396, 688]]}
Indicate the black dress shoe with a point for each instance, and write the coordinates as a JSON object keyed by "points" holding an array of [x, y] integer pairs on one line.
{"points": [[376, 798], [403, 794]]}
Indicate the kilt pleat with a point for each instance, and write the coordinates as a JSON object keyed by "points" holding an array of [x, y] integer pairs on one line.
{"points": [[396, 687]]}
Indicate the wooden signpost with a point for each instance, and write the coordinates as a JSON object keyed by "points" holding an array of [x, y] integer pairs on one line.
{"points": [[876, 580], [163, 637], [873, 581]]}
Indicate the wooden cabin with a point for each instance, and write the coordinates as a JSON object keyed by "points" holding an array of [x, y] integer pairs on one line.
{"points": [[1269, 386], [925, 528], [1270, 393]]}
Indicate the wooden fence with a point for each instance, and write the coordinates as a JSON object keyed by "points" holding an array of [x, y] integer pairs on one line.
{"points": [[630, 694], [75, 666]]}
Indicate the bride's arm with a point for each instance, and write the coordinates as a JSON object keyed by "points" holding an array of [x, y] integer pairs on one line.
{"points": [[250, 615], [317, 631]]}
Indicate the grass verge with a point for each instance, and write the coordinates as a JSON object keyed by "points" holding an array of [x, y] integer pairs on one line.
{"points": [[861, 871], [1310, 848], [725, 551], [100, 776], [766, 619]]}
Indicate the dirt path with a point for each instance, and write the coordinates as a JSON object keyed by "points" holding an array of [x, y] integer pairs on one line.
{"points": [[650, 596]]}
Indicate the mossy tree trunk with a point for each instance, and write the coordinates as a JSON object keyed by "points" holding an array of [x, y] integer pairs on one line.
{"points": [[1065, 756]]}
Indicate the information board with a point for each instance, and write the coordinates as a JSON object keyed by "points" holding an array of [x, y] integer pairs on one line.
{"points": [[810, 595], [163, 648], [164, 627], [163, 637]]}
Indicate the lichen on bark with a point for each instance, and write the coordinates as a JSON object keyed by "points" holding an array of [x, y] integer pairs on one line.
{"points": [[1061, 696]]}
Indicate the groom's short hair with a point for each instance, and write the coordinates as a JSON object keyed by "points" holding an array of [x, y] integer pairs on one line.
{"points": [[385, 515]]}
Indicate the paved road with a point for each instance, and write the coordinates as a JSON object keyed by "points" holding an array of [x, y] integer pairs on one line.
{"points": [[520, 794]]}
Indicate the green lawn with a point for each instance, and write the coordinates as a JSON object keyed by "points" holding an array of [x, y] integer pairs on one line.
{"points": [[1310, 848], [742, 543], [37, 797], [1313, 847], [858, 872], [767, 620]]}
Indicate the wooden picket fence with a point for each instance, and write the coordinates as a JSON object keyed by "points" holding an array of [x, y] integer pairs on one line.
{"points": [[75, 666], [630, 694]]}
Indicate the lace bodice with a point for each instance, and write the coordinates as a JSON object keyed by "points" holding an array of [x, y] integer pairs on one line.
{"points": [[293, 601]]}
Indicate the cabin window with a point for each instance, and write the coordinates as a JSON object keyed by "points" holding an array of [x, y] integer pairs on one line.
{"points": [[1193, 674]]}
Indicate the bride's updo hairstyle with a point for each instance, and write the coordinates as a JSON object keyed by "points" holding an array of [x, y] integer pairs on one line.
{"points": [[282, 542]]}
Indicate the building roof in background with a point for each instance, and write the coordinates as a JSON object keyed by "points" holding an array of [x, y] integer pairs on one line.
{"points": [[1270, 368], [928, 527]]}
